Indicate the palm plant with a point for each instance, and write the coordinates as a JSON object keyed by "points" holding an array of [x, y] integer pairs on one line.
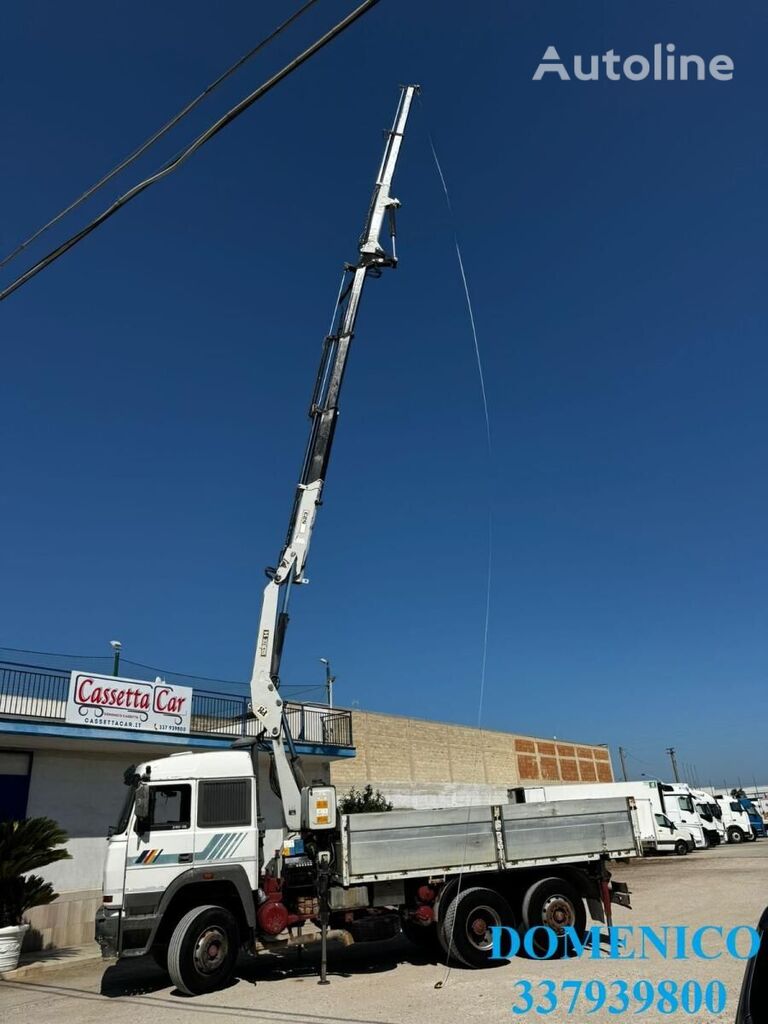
{"points": [[24, 846]]}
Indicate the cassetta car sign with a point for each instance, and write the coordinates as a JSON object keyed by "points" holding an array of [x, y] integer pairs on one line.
{"points": [[128, 703]]}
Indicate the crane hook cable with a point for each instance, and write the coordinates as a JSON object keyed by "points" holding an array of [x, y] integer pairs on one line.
{"points": [[200, 141], [486, 623], [158, 134]]}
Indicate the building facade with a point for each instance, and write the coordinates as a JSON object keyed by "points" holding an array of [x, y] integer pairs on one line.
{"points": [[417, 763]]}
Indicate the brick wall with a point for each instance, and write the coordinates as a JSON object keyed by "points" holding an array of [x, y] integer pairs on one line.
{"points": [[409, 757]]}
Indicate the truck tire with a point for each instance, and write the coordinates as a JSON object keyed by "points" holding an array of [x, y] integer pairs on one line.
{"points": [[735, 835], [681, 848], [553, 903], [444, 901], [203, 950], [468, 920]]}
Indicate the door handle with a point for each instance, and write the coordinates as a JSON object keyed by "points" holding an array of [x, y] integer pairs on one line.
{"points": [[185, 858]]}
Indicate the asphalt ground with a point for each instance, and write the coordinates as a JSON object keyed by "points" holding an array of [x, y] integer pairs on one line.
{"points": [[394, 983]]}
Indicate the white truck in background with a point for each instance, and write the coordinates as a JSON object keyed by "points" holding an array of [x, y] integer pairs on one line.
{"points": [[711, 813], [686, 806], [735, 819], [657, 832], [234, 849]]}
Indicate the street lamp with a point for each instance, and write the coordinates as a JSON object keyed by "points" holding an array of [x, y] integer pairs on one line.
{"points": [[116, 647], [329, 681]]}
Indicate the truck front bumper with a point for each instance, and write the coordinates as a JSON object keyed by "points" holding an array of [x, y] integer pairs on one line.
{"points": [[108, 923]]}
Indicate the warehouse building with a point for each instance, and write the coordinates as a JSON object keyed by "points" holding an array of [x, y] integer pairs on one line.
{"points": [[417, 763]]}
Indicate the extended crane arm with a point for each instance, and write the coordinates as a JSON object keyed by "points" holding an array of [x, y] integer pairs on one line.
{"points": [[266, 704]]}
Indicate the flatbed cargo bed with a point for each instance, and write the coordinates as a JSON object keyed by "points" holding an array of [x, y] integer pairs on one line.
{"points": [[490, 837]]}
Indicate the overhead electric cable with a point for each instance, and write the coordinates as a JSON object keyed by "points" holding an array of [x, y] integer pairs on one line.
{"points": [[301, 687], [200, 141], [156, 136], [56, 654], [489, 564]]}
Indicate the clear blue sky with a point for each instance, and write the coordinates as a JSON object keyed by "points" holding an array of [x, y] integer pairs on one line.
{"points": [[154, 382]]}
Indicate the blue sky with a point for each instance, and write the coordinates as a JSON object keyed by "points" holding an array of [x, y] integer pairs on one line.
{"points": [[155, 381]]}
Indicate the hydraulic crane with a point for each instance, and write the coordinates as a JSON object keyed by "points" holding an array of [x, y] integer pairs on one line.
{"points": [[266, 703]]}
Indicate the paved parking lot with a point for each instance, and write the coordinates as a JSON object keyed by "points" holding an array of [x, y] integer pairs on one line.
{"points": [[392, 983]]}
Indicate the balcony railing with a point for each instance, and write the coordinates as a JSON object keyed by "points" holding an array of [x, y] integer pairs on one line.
{"points": [[33, 692]]}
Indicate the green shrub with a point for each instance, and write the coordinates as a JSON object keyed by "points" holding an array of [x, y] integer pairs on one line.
{"points": [[24, 846], [363, 801]]}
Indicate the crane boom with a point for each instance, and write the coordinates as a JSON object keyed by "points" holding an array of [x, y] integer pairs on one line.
{"points": [[266, 704]]}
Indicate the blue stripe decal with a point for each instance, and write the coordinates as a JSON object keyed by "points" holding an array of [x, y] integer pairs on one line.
{"points": [[203, 854], [227, 847], [215, 853], [237, 844]]}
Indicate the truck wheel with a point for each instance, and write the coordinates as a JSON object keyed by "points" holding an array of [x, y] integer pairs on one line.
{"points": [[735, 835], [468, 920], [681, 848], [203, 950], [556, 904], [444, 901]]}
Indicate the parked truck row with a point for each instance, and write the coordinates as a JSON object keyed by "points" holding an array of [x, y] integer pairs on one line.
{"points": [[671, 817]]}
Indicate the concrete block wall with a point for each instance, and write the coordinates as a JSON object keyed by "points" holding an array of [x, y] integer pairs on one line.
{"points": [[417, 763]]}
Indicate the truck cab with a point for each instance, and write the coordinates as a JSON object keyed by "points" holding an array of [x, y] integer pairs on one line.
{"points": [[737, 822], [681, 807], [755, 818], [188, 832], [710, 813]]}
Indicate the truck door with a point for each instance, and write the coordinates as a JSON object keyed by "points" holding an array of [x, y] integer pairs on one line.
{"points": [[665, 833], [164, 848], [226, 828]]}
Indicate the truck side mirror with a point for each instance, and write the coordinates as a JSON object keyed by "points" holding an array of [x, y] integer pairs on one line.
{"points": [[141, 807]]}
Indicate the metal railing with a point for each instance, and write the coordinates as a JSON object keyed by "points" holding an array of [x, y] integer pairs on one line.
{"points": [[31, 691]]}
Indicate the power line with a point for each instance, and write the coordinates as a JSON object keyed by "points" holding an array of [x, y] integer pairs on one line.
{"points": [[173, 672], [58, 654], [200, 141], [156, 136], [301, 687]]}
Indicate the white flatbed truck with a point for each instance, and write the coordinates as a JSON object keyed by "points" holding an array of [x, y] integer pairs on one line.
{"points": [[223, 850]]}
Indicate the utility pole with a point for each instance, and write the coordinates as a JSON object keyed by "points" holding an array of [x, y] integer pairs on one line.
{"points": [[673, 759], [329, 681], [116, 647], [622, 752]]}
